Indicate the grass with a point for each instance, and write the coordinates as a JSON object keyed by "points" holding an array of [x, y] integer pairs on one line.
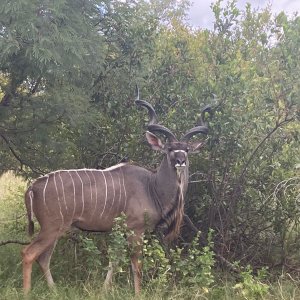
{"points": [[92, 290], [78, 276]]}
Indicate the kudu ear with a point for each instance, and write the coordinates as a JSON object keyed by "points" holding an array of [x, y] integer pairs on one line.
{"points": [[196, 146], [154, 141]]}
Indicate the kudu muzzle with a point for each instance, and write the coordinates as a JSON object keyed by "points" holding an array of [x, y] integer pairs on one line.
{"points": [[181, 156]]}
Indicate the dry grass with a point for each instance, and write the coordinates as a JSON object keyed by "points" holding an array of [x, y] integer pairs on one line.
{"points": [[12, 209], [9, 184]]}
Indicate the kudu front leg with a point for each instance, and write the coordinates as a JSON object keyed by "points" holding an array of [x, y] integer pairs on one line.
{"points": [[109, 276], [136, 265], [136, 243]]}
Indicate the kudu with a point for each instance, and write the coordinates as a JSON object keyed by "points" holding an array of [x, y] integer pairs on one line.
{"points": [[91, 199]]}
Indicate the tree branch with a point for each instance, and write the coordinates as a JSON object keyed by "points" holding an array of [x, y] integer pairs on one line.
{"points": [[18, 158], [246, 165]]}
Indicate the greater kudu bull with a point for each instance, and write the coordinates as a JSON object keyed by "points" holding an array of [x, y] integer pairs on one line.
{"points": [[91, 199]]}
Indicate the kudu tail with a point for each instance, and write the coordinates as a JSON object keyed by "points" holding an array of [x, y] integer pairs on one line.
{"points": [[28, 204]]}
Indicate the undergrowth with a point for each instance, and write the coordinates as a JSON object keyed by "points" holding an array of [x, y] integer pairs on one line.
{"points": [[80, 263]]}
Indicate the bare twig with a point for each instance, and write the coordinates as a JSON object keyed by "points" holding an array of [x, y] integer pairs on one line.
{"points": [[259, 145]]}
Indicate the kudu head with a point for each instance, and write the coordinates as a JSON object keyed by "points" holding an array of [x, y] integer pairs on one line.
{"points": [[176, 150]]}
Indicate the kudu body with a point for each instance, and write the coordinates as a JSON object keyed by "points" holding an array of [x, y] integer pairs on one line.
{"points": [[91, 199]]}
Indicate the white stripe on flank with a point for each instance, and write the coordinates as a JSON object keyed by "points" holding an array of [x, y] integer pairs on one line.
{"points": [[90, 185], [120, 189], [31, 197], [105, 194], [82, 194], [44, 193], [63, 190], [114, 167], [113, 184], [96, 200], [58, 201], [124, 191], [74, 208]]}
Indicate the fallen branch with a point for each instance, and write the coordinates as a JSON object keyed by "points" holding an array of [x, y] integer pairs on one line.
{"points": [[2, 243]]}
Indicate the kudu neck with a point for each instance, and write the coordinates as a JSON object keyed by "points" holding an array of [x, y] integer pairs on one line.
{"points": [[166, 183]]}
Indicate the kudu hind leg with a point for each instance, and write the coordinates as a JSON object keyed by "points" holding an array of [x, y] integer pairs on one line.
{"points": [[44, 262], [30, 253]]}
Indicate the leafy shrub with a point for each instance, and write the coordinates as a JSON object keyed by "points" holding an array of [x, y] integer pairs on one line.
{"points": [[186, 266], [92, 252], [156, 264], [118, 249], [251, 286], [194, 266]]}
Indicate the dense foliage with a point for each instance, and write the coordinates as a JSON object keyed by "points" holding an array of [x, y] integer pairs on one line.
{"points": [[68, 70]]}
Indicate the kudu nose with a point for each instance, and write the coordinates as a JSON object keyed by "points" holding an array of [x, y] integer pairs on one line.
{"points": [[180, 162]]}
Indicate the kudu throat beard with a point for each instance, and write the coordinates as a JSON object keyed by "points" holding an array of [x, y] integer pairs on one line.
{"points": [[180, 171], [174, 218]]}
